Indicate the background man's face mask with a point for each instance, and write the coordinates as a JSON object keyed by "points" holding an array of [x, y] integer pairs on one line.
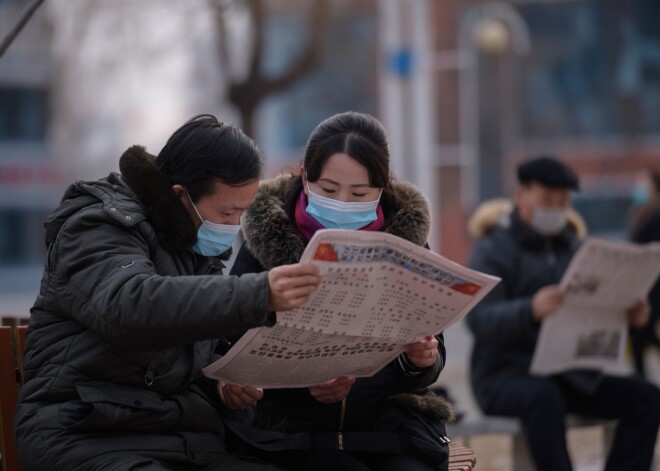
{"points": [[213, 239], [640, 195], [549, 221], [333, 214]]}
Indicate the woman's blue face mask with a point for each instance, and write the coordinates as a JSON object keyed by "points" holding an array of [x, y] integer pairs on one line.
{"points": [[213, 239], [334, 214]]}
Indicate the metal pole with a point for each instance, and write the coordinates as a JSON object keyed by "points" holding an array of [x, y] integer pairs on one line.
{"points": [[468, 110], [391, 94], [469, 87], [423, 113]]}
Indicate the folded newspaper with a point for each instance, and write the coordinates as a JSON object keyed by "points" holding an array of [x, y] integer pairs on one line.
{"points": [[589, 330], [378, 292]]}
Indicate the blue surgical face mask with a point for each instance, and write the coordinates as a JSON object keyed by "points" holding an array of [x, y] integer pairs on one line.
{"points": [[213, 239], [640, 195], [333, 214]]}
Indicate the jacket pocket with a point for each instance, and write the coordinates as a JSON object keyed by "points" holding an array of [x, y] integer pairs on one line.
{"points": [[115, 407]]}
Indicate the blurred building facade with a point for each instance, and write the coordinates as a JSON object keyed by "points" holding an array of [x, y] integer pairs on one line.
{"points": [[579, 79], [29, 181], [465, 88], [469, 88]]}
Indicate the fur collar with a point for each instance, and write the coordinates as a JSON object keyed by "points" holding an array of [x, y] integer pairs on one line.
{"points": [[430, 405], [170, 219], [497, 212], [273, 238]]}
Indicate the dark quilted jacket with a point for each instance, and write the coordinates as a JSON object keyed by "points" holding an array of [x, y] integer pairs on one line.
{"points": [[122, 325]]}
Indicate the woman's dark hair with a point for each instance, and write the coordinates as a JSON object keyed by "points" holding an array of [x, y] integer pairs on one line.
{"points": [[360, 136], [203, 150]]}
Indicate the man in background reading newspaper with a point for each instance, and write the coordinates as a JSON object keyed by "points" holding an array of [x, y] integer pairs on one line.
{"points": [[529, 246]]}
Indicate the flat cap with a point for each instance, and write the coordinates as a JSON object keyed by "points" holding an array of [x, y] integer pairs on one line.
{"points": [[548, 171]]}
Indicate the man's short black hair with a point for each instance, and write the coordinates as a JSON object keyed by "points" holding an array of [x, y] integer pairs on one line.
{"points": [[548, 171]]}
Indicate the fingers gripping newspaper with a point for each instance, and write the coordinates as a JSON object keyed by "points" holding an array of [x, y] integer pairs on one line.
{"points": [[589, 330], [378, 292]]}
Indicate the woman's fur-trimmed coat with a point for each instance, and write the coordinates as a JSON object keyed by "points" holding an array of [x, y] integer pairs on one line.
{"points": [[272, 239]]}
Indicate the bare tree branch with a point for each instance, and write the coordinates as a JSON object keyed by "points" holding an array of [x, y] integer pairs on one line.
{"points": [[219, 8], [27, 14], [247, 95], [257, 14], [310, 59]]}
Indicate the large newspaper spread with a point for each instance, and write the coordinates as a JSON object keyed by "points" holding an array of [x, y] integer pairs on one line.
{"points": [[589, 330], [378, 292]]}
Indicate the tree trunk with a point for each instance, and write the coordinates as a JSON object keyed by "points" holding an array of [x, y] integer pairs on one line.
{"points": [[247, 120], [247, 95]]}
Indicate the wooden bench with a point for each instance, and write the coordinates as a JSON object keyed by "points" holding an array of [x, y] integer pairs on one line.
{"points": [[12, 344], [522, 461], [461, 458]]}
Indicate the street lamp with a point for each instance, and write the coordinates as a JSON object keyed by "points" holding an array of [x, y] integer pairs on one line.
{"points": [[491, 28], [491, 35]]}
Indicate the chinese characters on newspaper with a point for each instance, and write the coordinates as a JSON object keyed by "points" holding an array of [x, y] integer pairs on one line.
{"points": [[378, 293], [589, 330]]}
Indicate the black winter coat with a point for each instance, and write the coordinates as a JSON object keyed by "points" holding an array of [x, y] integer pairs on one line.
{"points": [[122, 325], [648, 230], [504, 331], [272, 239]]}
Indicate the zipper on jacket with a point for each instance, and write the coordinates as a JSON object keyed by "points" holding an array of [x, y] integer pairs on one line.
{"points": [[340, 436], [549, 253], [161, 359], [149, 375]]}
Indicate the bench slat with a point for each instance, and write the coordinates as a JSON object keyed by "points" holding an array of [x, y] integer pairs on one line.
{"points": [[461, 458], [8, 398]]}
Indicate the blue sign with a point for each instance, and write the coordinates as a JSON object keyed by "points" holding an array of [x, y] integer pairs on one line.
{"points": [[400, 62]]}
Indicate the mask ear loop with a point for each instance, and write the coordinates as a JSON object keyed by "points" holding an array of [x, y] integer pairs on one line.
{"points": [[193, 205], [307, 182]]}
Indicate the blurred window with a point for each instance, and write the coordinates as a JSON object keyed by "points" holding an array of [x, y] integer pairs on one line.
{"points": [[21, 236], [23, 114], [594, 69]]}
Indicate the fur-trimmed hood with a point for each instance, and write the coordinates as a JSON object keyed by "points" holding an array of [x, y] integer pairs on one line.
{"points": [[141, 192], [492, 213], [274, 239], [170, 219]]}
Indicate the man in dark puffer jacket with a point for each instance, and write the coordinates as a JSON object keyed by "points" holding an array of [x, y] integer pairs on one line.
{"points": [[529, 247], [130, 303]]}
